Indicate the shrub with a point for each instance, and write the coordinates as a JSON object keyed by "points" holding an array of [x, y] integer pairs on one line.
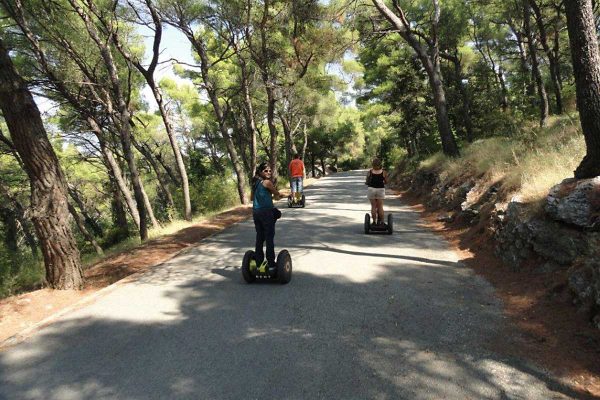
{"points": [[19, 271]]}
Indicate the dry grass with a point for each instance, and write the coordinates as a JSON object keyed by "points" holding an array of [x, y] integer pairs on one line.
{"points": [[528, 164]]}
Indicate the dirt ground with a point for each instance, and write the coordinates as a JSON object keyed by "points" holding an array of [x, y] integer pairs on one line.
{"points": [[551, 332]]}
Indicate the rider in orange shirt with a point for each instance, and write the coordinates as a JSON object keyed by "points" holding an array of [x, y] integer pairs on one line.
{"points": [[296, 171]]}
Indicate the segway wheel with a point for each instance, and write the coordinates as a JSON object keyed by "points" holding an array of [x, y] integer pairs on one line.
{"points": [[249, 276], [290, 201], [284, 267], [390, 224], [367, 223], [303, 201]]}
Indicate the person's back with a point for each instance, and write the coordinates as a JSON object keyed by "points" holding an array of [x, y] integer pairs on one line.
{"points": [[377, 178], [296, 168]]}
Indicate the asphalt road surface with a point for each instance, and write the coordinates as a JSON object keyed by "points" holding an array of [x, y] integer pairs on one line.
{"points": [[364, 317]]}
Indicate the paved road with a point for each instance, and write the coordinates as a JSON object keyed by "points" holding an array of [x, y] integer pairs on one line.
{"points": [[365, 317]]}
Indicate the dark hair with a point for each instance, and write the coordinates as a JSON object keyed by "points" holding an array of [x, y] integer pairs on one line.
{"points": [[296, 155], [259, 168], [376, 163]]}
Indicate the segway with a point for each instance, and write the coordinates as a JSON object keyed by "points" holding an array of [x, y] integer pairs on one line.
{"points": [[379, 228], [251, 271], [294, 203]]}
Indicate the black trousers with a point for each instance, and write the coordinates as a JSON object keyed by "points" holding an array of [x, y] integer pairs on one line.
{"points": [[264, 223]]}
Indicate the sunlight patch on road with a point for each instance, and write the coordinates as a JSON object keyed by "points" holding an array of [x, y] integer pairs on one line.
{"points": [[184, 387], [253, 333], [134, 305], [347, 272]]}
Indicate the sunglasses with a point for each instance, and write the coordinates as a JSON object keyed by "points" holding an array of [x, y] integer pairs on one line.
{"points": [[266, 170]]}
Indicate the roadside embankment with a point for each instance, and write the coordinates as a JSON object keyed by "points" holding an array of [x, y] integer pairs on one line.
{"points": [[506, 206]]}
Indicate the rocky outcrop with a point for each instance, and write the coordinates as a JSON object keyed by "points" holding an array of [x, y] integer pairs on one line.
{"points": [[565, 237], [520, 237], [576, 202], [584, 282]]}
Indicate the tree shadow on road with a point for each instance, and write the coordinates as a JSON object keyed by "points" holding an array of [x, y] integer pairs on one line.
{"points": [[415, 326], [229, 340]]}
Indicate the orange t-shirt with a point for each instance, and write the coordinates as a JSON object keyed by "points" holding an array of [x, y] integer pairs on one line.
{"points": [[296, 168]]}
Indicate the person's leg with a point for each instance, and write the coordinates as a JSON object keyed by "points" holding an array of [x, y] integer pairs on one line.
{"points": [[259, 255], [373, 210], [293, 187], [299, 187], [269, 225], [380, 210]]}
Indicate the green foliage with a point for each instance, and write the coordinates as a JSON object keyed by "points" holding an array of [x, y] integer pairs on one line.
{"points": [[214, 193], [19, 271]]}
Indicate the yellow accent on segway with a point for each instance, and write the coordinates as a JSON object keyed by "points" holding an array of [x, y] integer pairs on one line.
{"points": [[263, 267]]}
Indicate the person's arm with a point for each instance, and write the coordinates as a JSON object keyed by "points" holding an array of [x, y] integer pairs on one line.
{"points": [[385, 177], [271, 188]]}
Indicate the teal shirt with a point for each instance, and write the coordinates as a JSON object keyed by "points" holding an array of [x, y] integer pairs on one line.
{"points": [[262, 197]]}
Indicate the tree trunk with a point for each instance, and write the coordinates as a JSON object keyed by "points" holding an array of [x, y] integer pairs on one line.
{"points": [[119, 215], [290, 147], [86, 234], [48, 185], [464, 93], [528, 85], [165, 166], [586, 68], [504, 90], [248, 112], [148, 74], [176, 152], [117, 174], [211, 89], [430, 59], [91, 222], [535, 66], [323, 165], [161, 181], [122, 116], [138, 191], [148, 205], [449, 146], [304, 146], [554, 65], [24, 223], [273, 149]]}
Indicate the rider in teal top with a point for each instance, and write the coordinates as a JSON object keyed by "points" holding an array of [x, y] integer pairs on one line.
{"points": [[263, 214], [262, 197]]}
